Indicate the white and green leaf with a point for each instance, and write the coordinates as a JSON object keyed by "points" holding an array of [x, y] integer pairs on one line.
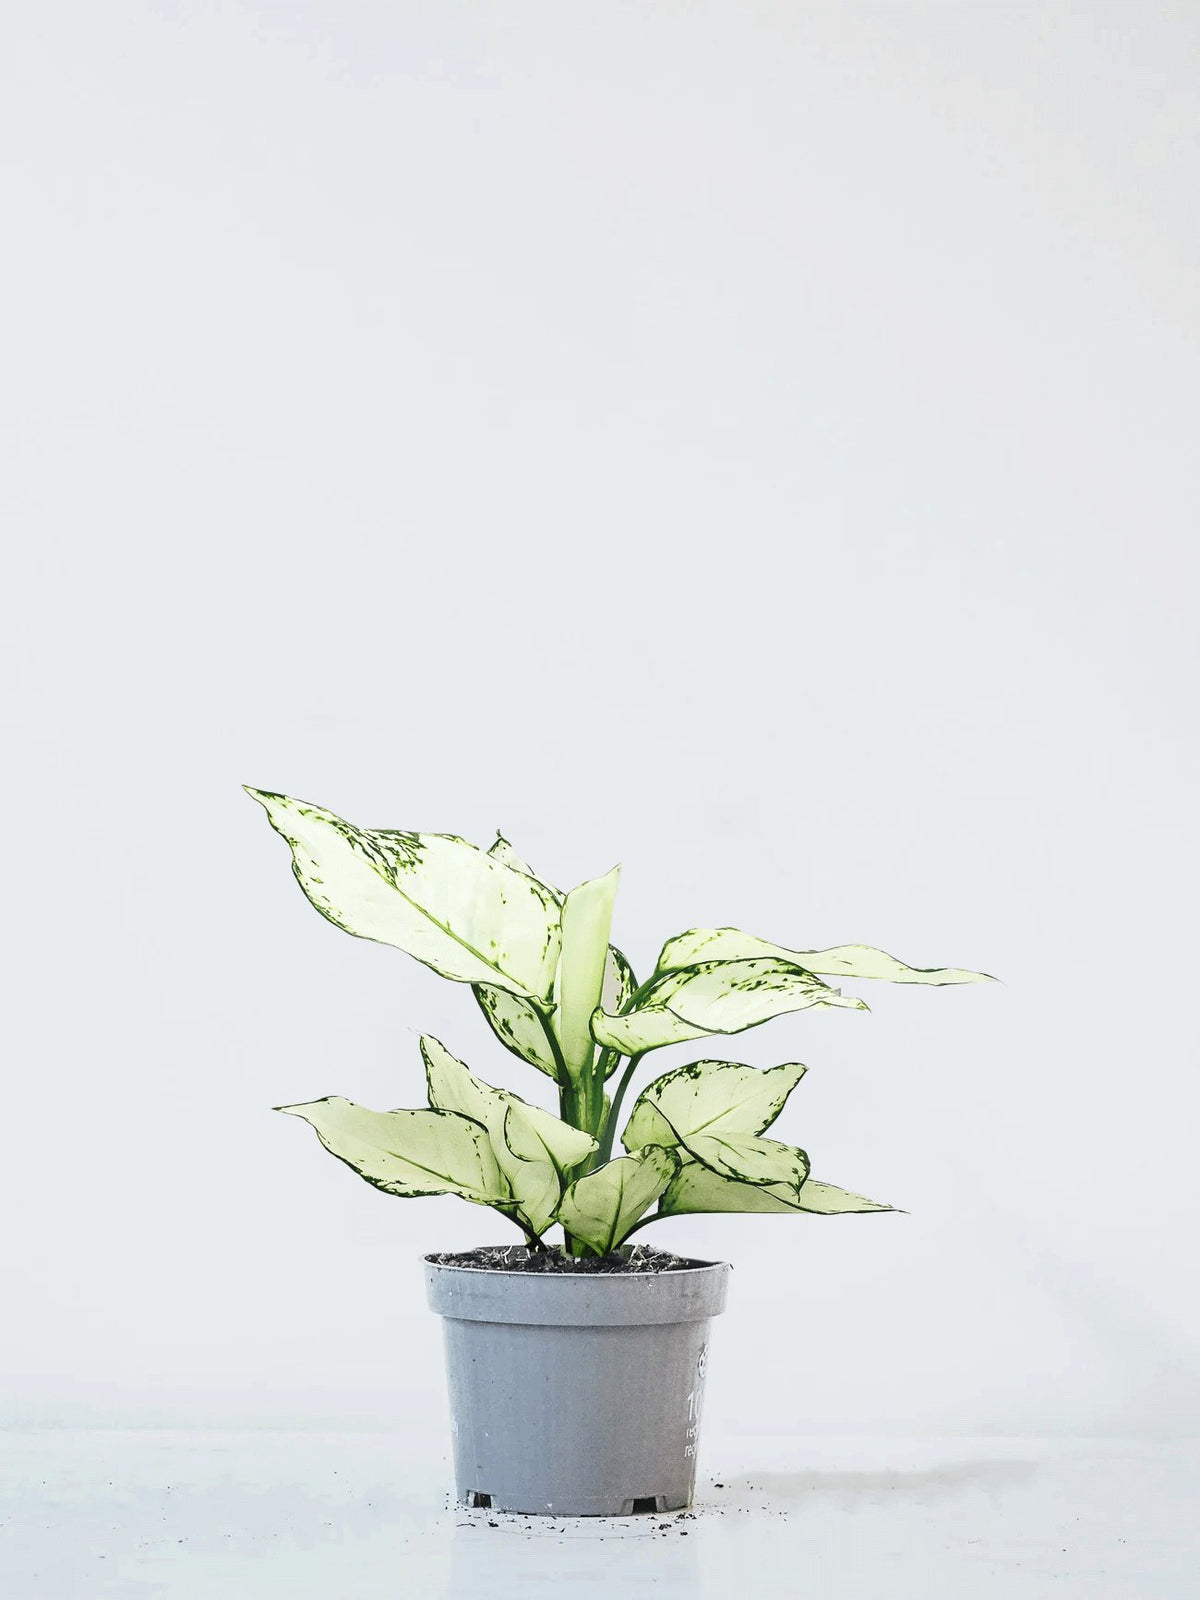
{"points": [[503, 852], [537, 1134], [697, 1188], [827, 1200], [532, 1147], [519, 1026], [619, 981], [840, 961], [515, 1021], [714, 997], [604, 1206], [410, 1153], [586, 923], [710, 1097], [714, 1113], [765, 1163], [459, 910], [741, 1157]]}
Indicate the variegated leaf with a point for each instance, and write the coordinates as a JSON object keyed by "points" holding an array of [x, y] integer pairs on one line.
{"points": [[518, 1025], [710, 1097], [744, 1157], [697, 1188], [503, 851], [602, 1207], [516, 1022], [586, 923], [409, 1152], [714, 1112], [827, 1200], [535, 1134], [619, 982], [455, 908], [714, 997], [764, 1162], [532, 1147], [841, 961]]}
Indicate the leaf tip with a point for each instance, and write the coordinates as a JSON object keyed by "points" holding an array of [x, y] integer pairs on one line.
{"points": [[267, 799], [303, 1107]]}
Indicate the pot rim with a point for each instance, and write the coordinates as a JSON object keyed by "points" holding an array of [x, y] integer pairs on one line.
{"points": [[693, 1265], [576, 1299]]}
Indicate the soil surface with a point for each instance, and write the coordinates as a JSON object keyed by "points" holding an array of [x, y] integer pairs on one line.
{"points": [[519, 1258]]}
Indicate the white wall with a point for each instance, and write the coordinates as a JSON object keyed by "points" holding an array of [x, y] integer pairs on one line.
{"points": [[754, 442]]}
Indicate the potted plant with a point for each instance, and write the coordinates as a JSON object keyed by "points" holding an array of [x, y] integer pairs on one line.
{"points": [[576, 1369]]}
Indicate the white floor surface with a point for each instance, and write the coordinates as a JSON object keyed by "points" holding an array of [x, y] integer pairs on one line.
{"points": [[302, 1516]]}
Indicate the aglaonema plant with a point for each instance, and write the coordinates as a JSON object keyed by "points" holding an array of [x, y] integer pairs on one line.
{"points": [[560, 996]]}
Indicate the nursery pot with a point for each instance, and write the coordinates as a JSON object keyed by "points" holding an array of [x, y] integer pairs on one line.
{"points": [[576, 1394]]}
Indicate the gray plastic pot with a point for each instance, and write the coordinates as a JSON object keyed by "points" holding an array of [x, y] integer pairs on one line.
{"points": [[576, 1394]]}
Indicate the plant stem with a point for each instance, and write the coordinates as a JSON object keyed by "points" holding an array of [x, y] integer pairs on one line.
{"points": [[655, 1216], [534, 1240], [610, 1125], [555, 1048], [606, 1063], [581, 1104], [572, 1107], [568, 1104]]}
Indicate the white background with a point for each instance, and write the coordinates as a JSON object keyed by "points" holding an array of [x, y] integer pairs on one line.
{"points": [[752, 442]]}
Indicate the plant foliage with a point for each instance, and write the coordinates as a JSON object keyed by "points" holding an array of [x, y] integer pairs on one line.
{"points": [[557, 993]]}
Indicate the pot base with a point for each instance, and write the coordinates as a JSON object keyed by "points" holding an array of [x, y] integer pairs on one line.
{"points": [[639, 1505]]}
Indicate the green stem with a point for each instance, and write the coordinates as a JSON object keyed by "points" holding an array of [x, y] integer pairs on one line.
{"points": [[655, 1216], [534, 1240], [610, 1126], [640, 993], [560, 1062], [606, 1064], [569, 1108], [581, 1106]]}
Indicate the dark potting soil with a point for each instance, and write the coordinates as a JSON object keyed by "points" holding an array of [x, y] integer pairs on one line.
{"points": [[519, 1258]]}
